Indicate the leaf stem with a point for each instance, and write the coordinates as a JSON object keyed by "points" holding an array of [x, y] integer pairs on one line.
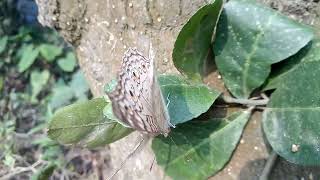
{"points": [[249, 102], [268, 166]]}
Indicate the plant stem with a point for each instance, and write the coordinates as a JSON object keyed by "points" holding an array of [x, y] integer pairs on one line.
{"points": [[249, 102], [268, 166], [19, 170]]}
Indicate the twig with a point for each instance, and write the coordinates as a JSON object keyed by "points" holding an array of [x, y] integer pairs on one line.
{"points": [[268, 166], [248, 102], [19, 170]]}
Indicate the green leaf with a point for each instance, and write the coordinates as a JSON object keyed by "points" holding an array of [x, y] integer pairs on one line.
{"points": [[61, 95], [52, 154], [85, 123], [38, 80], [44, 142], [250, 37], [49, 51], [68, 63], [3, 43], [28, 56], [194, 41], [79, 85], [199, 149], [308, 54], [9, 160], [44, 173], [291, 119], [187, 100]]}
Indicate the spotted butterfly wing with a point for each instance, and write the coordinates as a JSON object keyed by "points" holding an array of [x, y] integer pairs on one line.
{"points": [[137, 100]]}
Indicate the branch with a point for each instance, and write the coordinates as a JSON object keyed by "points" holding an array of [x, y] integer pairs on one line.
{"points": [[19, 170], [268, 166]]}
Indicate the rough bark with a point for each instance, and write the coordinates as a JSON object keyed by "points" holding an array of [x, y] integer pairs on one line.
{"points": [[101, 30]]}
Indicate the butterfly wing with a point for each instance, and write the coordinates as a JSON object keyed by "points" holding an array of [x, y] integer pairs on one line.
{"points": [[160, 110], [133, 98]]}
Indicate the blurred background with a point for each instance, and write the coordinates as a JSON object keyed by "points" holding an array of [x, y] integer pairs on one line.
{"points": [[38, 74]]}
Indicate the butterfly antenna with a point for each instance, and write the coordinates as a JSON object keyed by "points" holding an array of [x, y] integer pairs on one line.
{"points": [[154, 158], [136, 149], [168, 103]]}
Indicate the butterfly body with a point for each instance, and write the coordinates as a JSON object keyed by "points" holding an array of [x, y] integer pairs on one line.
{"points": [[137, 100]]}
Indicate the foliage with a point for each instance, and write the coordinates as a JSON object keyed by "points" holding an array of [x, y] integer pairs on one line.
{"points": [[243, 47], [267, 52], [196, 146], [68, 63], [85, 123], [29, 77], [194, 41], [291, 117]]}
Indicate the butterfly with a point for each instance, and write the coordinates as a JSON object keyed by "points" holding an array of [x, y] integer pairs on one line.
{"points": [[137, 100]]}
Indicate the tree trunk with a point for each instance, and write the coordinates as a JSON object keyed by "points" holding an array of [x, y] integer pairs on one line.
{"points": [[101, 30]]}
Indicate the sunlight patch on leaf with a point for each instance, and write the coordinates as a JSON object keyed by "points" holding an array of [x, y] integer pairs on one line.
{"points": [[84, 123], [308, 54], [291, 118], [250, 37], [187, 99]]}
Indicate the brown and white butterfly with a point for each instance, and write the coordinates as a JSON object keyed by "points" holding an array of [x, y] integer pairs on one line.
{"points": [[137, 100]]}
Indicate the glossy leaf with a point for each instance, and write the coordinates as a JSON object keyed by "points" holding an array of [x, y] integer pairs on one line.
{"points": [[250, 37], [84, 123], [199, 149], [68, 63], [291, 119], [49, 51], [94, 125], [308, 54], [194, 41], [187, 100], [28, 56]]}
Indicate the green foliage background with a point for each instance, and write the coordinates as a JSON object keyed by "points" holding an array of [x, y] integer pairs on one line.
{"points": [[38, 74]]}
